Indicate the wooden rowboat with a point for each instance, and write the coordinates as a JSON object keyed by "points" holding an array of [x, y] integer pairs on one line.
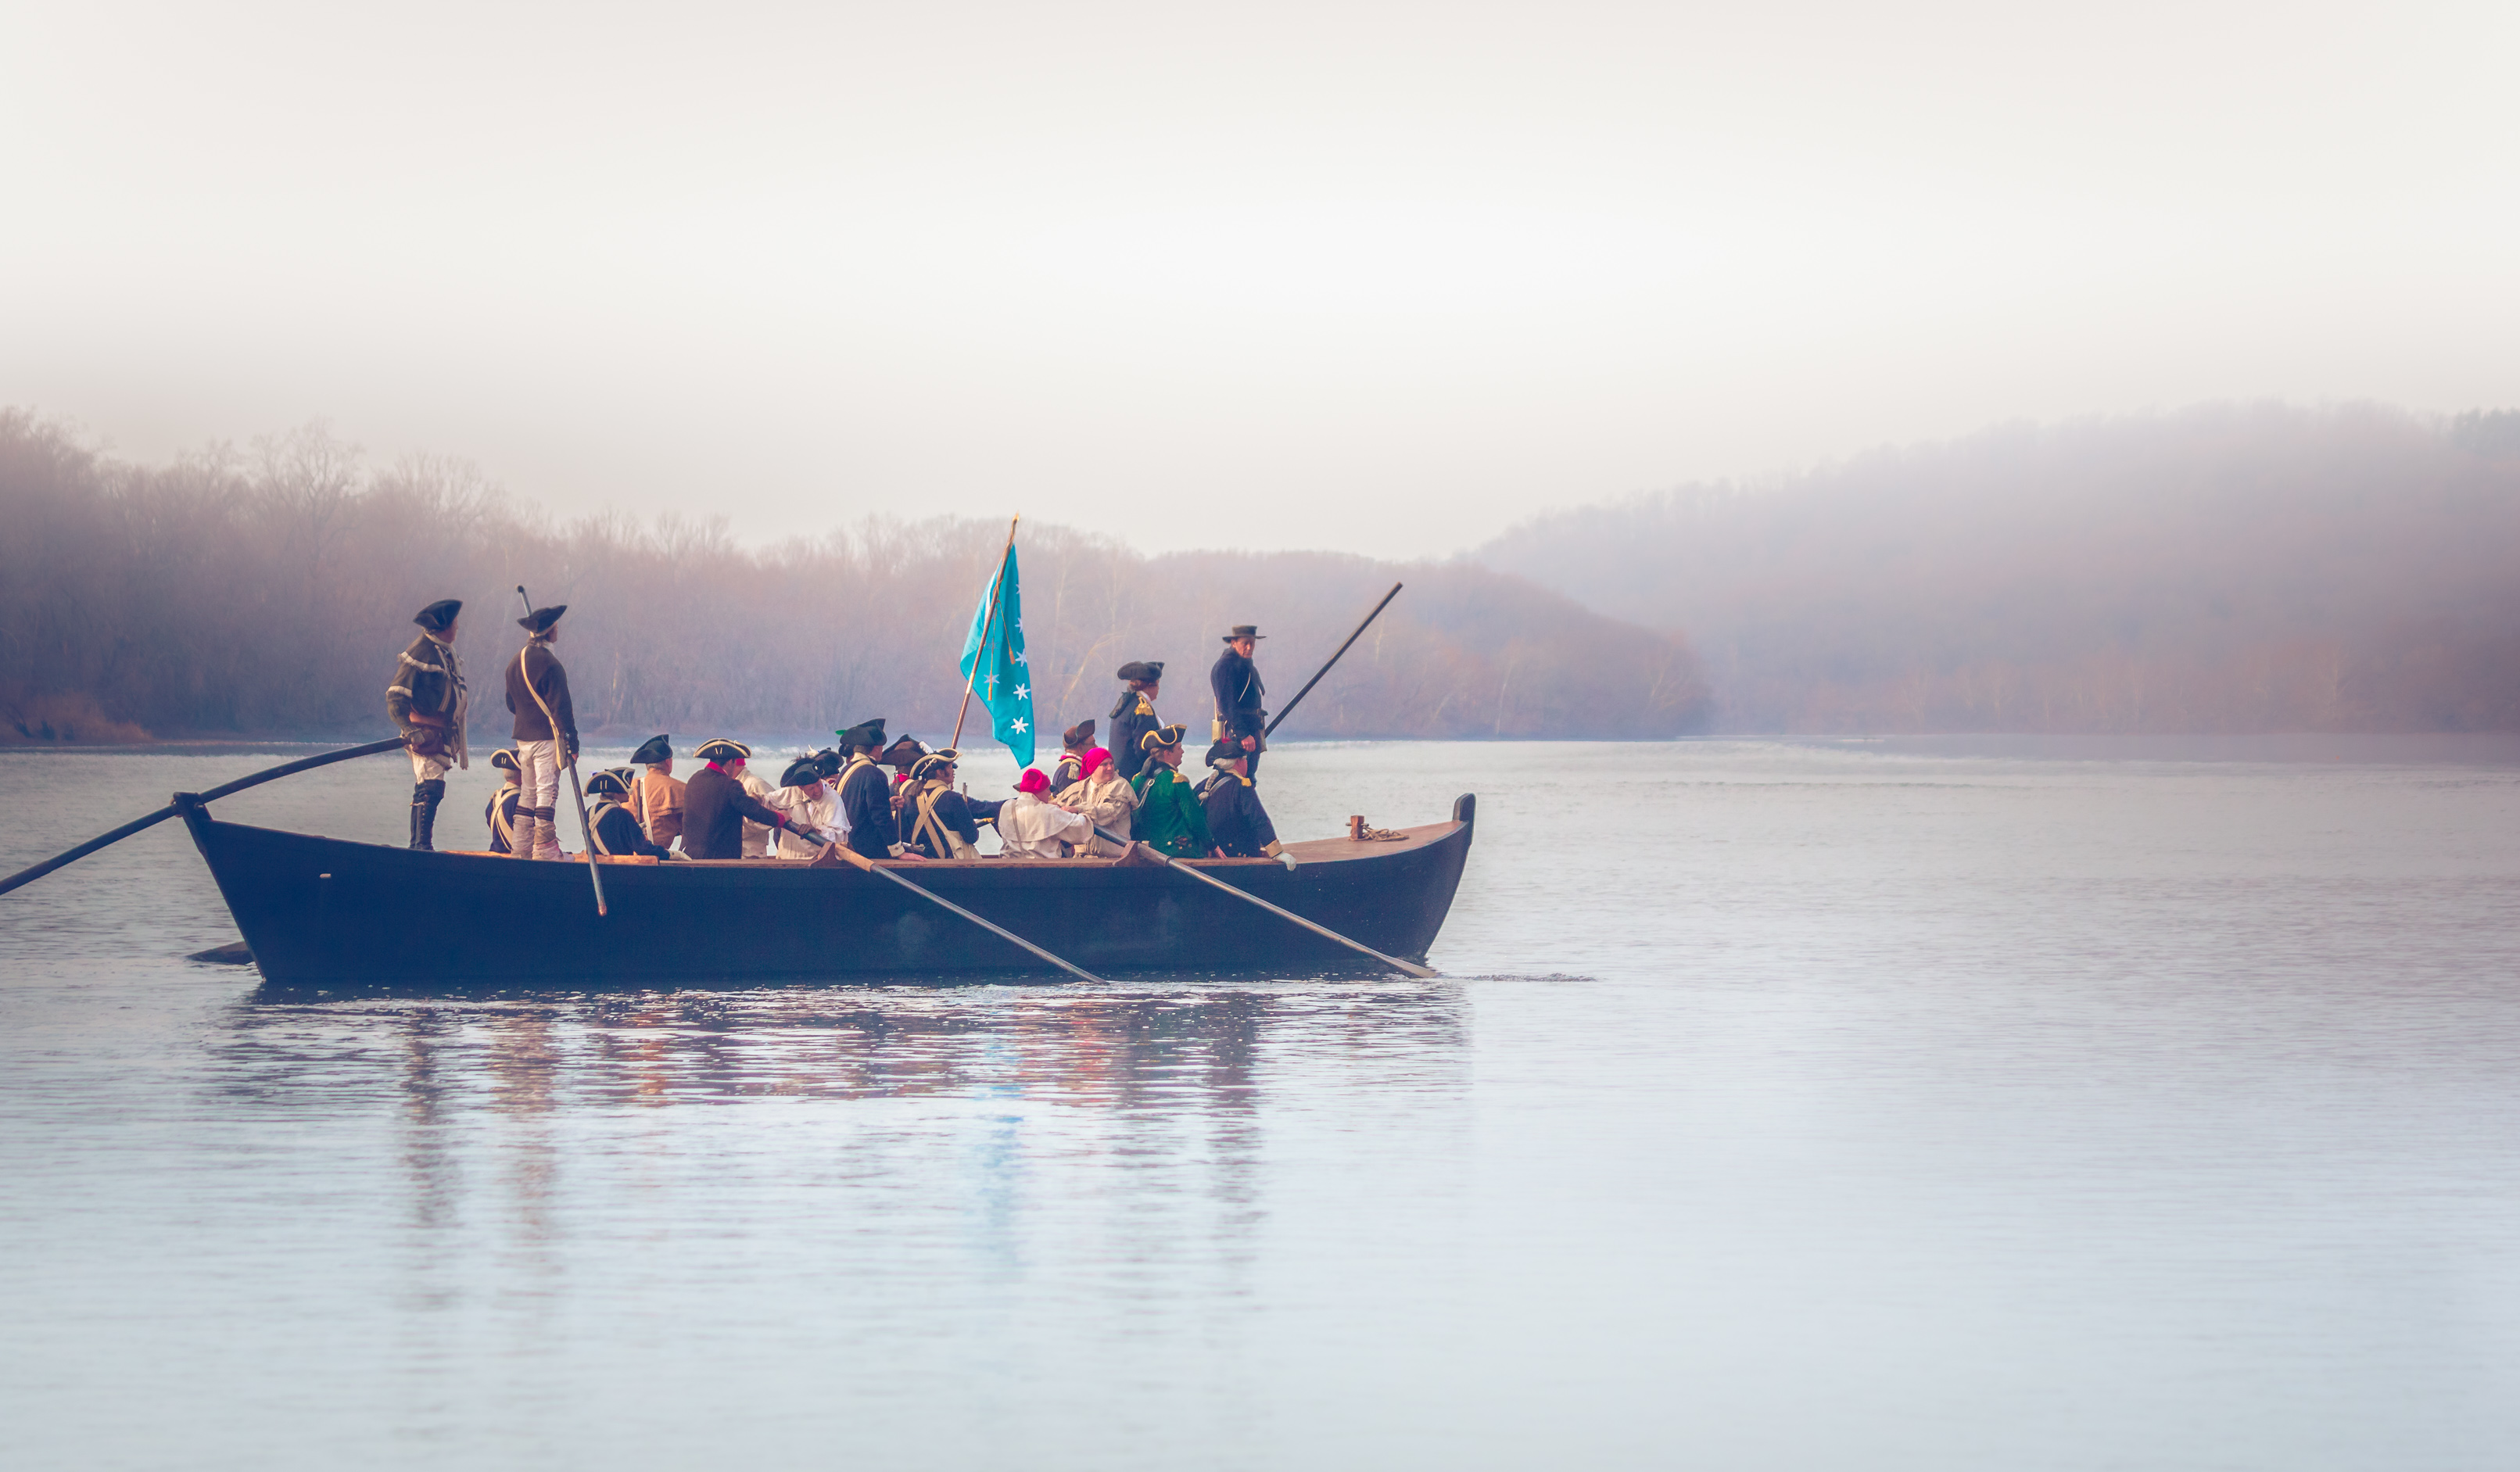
{"points": [[327, 913]]}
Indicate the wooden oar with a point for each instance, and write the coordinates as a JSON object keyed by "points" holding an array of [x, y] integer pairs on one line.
{"points": [[1422, 973], [1272, 727], [871, 866], [137, 825]]}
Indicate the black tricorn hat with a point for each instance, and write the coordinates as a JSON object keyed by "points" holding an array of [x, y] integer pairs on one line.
{"points": [[800, 772], [867, 733], [905, 749], [1142, 669], [828, 762], [438, 614], [720, 749], [1162, 736], [652, 750], [615, 781], [541, 619], [1225, 752], [1079, 736], [1245, 631], [505, 760]]}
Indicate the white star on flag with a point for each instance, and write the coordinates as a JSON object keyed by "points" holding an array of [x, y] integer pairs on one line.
{"points": [[1024, 691], [1019, 724], [1020, 660]]}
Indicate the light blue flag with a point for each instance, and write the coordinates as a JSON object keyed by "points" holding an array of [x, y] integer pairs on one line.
{"points": [[1004, 682]]}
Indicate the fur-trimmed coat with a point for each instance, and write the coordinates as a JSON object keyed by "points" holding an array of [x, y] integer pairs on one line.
{"points": [[429, 695]]}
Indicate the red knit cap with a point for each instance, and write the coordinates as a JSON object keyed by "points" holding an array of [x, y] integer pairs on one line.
{"points": [[1096, 758], [1032, 780]]}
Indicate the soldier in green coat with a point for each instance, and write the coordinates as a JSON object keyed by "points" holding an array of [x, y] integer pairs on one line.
{"points": [[1171, 820]]}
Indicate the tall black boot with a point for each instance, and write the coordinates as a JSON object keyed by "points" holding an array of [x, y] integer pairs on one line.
{"points": [[423, 813]]}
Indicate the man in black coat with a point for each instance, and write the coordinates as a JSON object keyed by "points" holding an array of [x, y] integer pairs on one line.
{"points": [[546, 732], [866, 793], [1235, 820], [427, 701], [937, 822], [1135, 715], [715, 803], [1235, 680]]}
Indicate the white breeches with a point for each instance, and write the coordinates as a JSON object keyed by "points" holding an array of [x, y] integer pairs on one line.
{"points": [[538, 809]]}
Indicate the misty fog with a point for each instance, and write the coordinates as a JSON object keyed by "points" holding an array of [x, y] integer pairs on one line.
{"points": [[2222, 570]]}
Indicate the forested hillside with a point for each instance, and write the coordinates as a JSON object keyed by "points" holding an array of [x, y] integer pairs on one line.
{"points": [[267, 592], [2224, 570]]}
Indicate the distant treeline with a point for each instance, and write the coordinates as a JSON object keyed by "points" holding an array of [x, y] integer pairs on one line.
{"points": [[266, 593], [2222, 570]]}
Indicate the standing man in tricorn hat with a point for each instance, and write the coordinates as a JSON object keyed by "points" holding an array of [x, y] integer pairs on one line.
{"points": [[427, 701], [546, 732], [1240, 720], [1135, 715]]}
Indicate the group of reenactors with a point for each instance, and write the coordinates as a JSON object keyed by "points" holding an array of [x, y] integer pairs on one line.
{"points": [[881, 800]]}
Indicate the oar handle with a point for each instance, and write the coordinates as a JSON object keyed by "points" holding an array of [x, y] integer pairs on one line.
{"points": [[1412, 968]]}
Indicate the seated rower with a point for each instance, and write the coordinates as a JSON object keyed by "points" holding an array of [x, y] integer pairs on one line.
{"points": [[1106, 800], [715, 805], [1069, 769], [938, 822], [1030, 829], [1170, 817], [501, 811], [655, 798], [807, 798], [1236, 820], [615, 828]]}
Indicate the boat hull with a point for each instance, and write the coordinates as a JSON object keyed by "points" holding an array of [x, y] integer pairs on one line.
{"points": [[324, 913]]}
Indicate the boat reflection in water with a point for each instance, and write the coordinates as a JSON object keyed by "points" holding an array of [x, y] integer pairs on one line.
{"points": [[883, 1109]]}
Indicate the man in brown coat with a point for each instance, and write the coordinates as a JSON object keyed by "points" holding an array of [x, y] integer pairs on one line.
{"points": [[546, 732], [656, 797]]}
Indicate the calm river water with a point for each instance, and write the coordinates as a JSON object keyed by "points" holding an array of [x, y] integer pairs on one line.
{"points": [[1930, 1105]]}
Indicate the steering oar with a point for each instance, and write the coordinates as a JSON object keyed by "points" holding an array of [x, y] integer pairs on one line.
{"points": [[138, 825]]}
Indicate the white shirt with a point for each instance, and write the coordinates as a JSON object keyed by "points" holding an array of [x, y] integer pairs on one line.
{"points": [[1031, 828], [822, 812]]}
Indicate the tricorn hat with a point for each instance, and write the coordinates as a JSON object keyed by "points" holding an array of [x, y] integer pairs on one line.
{"points": [[1245, 631], [720, 749], [904, 750], [437, 615], [611, 783], [828, 762], [505, 760], [1163, 736], [541, 621], [1225, 752], [802, 772], [652, 750], [1142, 669], [1078, 737], [933, 763], [866, 734]]}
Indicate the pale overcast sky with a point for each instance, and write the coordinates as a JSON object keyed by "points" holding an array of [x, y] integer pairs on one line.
{"points": [[1381, 277]]}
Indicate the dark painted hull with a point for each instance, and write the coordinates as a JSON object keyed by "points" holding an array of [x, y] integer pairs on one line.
{"points": [[325, 913]]}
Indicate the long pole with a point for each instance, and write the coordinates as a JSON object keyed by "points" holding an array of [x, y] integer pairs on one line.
{"points": [[1334, 658], [586, 830], [1422, 973], [139, 824], [873, 867], [997, 584]]}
